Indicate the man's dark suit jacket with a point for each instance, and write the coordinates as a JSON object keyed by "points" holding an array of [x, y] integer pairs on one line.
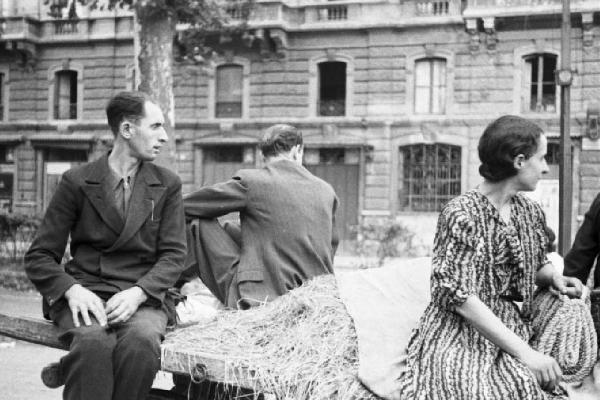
{"points": [[586, 247], [287, 226], [110, 254]]}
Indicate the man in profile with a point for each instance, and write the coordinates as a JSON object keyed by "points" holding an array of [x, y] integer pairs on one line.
{"points": [[287, 233], [124, 215]]}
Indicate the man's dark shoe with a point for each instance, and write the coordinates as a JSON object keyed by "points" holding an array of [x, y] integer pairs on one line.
{"points": [[52, 376]]}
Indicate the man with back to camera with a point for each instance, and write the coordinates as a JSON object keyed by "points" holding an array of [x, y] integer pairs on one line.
{"points": [[125, 218], [287, 233]]}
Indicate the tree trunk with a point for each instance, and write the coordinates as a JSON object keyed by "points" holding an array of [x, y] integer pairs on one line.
{"points": [[156, 32]]}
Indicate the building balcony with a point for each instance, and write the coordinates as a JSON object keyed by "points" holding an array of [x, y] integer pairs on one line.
{"points": [[332, 108], [31, 30], [509, 8], [230, 109], [19, 28], [65, 111], [324, 15]]}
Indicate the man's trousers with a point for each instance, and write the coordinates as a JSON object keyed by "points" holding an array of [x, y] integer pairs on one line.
{"points": [[214, 254], [110, 363]]}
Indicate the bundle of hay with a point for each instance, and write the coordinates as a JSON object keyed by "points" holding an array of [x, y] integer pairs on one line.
{"points": [[301, 346]]}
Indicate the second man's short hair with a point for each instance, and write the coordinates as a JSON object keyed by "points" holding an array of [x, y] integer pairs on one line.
{"points": [[280, 139]]}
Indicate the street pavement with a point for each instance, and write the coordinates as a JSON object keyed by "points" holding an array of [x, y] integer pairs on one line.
{"points": [[22, 362]]}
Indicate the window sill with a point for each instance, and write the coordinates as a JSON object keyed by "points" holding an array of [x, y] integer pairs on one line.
{"points": [[416, 213], [533, 114]]}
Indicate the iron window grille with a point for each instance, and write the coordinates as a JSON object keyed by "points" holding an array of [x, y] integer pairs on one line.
{"points": [[430, 175]]}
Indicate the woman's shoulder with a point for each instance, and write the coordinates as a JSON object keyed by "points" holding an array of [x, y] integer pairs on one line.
{"points": [[467, 205], [463, 211]]}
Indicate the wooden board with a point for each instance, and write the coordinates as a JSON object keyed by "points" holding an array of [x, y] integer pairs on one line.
{"points": [[174, 360], [31, 330], [201, 366]]}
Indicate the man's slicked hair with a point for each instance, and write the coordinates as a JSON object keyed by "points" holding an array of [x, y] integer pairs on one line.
{"points": [[125, 106], [279, 139]]}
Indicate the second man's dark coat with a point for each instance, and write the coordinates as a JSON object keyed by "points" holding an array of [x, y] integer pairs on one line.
{"points": [[288, 232]]}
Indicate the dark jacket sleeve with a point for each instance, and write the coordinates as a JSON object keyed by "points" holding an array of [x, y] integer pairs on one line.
{"points": [[216, 200], [580, 259], [43, 259], [170, 247]]}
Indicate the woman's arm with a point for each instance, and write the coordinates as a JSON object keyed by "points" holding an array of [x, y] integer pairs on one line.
{"points": [[476, 313]]}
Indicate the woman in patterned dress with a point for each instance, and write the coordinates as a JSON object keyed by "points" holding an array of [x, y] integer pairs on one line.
{"points": [[489, 251]]}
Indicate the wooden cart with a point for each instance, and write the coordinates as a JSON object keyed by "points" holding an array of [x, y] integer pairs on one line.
{"points": [[207, 368]]}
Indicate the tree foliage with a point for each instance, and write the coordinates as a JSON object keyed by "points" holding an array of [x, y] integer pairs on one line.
{"points": [[198, 20], [383, 238], [161, 24], [16, 232]]}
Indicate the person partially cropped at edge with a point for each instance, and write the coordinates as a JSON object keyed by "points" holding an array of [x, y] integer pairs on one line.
{"points": [[489, 253], [287, 233], [125, 218], [585, 252]]}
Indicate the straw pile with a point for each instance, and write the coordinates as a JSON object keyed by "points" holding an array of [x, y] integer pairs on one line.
{"points": [[301, 346]]}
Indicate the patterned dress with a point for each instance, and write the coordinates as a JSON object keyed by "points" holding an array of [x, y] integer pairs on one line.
{"points": [[477, 253]]}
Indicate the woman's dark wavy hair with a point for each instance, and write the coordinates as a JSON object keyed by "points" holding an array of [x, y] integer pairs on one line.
{"points": [[503, 140], [279, 139]]}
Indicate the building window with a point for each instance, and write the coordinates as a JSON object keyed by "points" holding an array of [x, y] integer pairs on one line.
{"points": [[7, 176], [229, 91], [130, 77], [57, 160], [429, 176], [65, 95], [332, 89], [2, 94], [553, 160], [430, 86], [538, 83], [341, 168], [220, 163], [7, 155]]}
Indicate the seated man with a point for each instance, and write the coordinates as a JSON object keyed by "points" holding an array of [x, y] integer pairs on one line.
{"points": [[287, 231], [125, 219]]}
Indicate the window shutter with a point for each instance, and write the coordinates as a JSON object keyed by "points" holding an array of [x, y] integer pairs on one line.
{"points": [[422, 85], [438, 92], [526, 85], [229, 91]]}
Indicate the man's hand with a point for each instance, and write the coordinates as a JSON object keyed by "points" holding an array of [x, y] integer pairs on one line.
{"points": [[121, 306], [568, 285], [83, 301]]}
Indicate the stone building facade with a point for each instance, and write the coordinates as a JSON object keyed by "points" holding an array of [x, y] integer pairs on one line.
{"points": [[391, 95]]}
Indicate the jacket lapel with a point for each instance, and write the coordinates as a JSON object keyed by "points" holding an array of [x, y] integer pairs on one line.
{"points": [[98, 196], [147, 191]]}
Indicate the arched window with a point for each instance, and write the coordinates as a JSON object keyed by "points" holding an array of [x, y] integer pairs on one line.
{"points": [[430, 86], [229, 91], [332, 88], [429, 176], [65, 94]]}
